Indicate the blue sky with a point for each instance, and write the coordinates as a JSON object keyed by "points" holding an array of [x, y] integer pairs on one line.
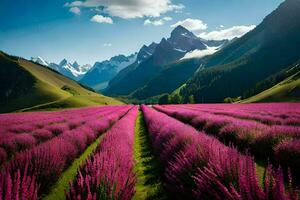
{"points": [[94, 30]]}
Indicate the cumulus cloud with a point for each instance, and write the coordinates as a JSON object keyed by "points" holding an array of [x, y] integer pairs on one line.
{"points": [[191, 24], [201, 53], [157, 22], [230, 33], [101, 19], [75, 10], [129, 9]]}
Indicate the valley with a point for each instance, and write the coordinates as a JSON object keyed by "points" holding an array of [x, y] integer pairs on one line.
{"points": [[150, 100]]}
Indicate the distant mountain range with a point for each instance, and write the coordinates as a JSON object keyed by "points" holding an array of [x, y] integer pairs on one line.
{"points": [[71, 70], [154, 59], [108, 75], [102, 72], [96, 76]]}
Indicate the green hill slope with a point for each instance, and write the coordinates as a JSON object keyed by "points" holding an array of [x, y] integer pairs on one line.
{"points": [[28, 86], [286, 91]]}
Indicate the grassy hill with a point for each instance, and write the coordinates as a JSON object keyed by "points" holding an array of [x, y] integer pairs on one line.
{"points": [[29, 86], [286, 91]]}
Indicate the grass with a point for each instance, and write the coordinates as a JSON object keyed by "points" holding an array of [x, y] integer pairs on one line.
{"points": [[71, 102], [62, 185], [260, 170], [149, 184]]}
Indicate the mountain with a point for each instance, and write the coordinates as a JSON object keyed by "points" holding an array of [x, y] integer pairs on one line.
{"points": [[71, 70], [154, 60], [145, 52], [25, 85], [102, 72], [239, 66], [180, 71]]}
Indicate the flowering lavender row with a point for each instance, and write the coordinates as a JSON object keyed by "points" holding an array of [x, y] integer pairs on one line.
{"points": [[198, 166], [271, 114], [37, 169], [31, 117], [26, 122], [265, 142], [19, 136], [108, 173]]}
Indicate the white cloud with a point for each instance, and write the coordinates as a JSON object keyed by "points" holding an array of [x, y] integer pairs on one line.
{"points": [[167, 18], [74, 3], [102, 19], [107, 44], [158, 22], [129, 9], [75, 10], [154, 22], [230, 33], [191, 24], [200, 53]]}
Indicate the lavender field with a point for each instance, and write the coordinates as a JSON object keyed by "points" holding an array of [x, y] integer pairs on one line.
{"points": [[202, 151]]}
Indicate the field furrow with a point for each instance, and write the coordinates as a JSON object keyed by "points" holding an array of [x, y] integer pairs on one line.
{"points": [[149, 175], [58, 190], [109, 172]]}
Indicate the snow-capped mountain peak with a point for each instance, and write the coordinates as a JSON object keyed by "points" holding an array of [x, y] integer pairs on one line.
{"points": [[76, 70], [63, 62], [39, 60]]}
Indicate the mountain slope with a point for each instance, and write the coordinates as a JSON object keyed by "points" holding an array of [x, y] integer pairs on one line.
{"points": [[144, 53], [266, 50], [166, 52], [287, 90], [26, 85], [175, 74], [168, 80]]}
